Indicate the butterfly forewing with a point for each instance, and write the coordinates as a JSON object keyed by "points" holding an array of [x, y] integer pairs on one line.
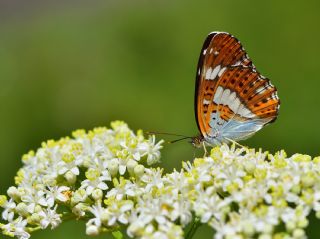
{"points": [[232, 99]]}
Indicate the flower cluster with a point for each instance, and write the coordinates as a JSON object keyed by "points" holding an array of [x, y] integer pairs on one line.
{"points": [[78, 173], [105, 177]]}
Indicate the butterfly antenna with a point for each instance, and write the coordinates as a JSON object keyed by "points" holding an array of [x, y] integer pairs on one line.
{"points": [[177, 140], [179, 135], [173, 141]]}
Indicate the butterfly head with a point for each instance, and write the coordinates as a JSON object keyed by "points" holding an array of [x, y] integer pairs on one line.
{"points": [[197, 141]]}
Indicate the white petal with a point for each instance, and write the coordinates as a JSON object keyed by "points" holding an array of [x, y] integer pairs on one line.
{"points": [[122, 169]]}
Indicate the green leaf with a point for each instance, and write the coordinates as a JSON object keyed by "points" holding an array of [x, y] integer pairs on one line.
{"points": [[117, 235]]}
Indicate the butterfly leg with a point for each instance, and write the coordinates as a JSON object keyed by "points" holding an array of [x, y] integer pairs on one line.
{"points": [[236, 143], [205, 149]]}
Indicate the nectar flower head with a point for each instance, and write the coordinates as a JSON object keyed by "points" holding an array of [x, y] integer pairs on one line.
{"points": [[106, 177]]}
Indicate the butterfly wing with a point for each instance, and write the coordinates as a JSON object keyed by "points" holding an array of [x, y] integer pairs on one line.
{"points": [[246, 102], [232, 100]]}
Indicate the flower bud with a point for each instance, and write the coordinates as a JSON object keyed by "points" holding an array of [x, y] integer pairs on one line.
{"points": [[248, 228], [87, 162], [79, 210], [268, 229], [13, 192], [22, 209], [131, 165], [104, 217], [296, 189], [34, 219], [290, 226], [97, 194], [79, 196], [139, 170], [113, 167], [307, 180], [298, 233], [37, 208], [264, 236], [92, 230], [3, 200], [70, 177], [249, 166], [302, 223]]}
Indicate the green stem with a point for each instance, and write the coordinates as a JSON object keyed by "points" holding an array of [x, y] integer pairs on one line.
{"points": [[193, 229], [66, 216]]}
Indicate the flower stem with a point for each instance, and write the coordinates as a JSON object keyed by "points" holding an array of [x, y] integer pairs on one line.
{"points": [[193, 229]]}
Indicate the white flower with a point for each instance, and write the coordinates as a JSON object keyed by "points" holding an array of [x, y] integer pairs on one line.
{"points": [[132, 149], [71, 165], [123, 188], [16, 228], [209, 205], [79, 196], [56, 193], [151, 209], [151, 149], [49, 217], [118, 211], [80, 209], [33, 198], [101, 165], [169, 230], [231, 175], [181, 210], [93, 181], [153, 178], [178, 182], [99, 213], [9, 210], [295, 216], [121, 163], [136, 227], [223, 230]]}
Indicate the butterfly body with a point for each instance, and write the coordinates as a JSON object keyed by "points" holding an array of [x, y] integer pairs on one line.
{"points": [[232, 99]]}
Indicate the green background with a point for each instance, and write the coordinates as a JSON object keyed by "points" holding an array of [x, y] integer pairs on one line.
{"points": [[74, 65]]}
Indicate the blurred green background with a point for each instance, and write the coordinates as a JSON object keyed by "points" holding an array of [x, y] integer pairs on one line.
{"points": [[78, 64]]}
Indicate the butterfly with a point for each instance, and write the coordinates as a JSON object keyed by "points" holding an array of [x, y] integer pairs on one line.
{"points": [[232, 99]]}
